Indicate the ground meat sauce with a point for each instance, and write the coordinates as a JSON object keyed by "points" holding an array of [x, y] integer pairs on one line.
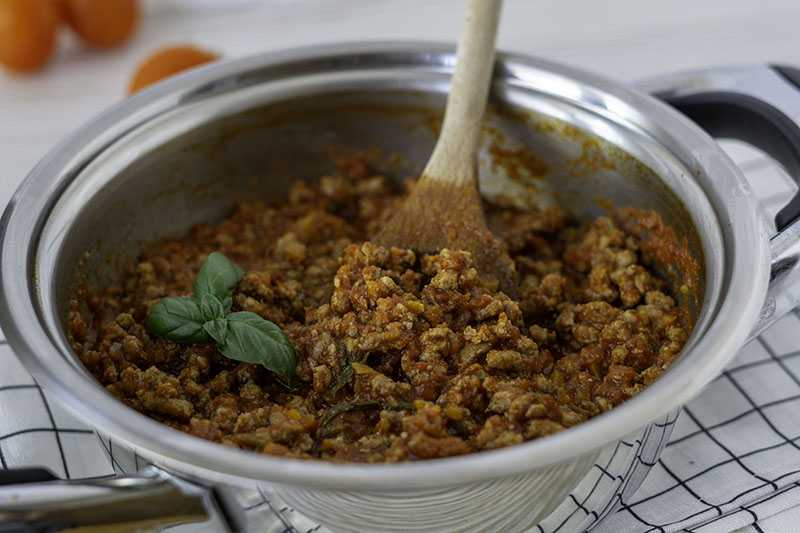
{"points": [[400, 356]]}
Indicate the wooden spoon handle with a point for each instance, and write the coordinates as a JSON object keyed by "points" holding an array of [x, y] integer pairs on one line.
{"points": [[453, 158]]}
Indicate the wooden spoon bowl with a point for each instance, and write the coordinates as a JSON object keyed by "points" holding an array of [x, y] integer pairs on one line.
{"points": [[444, 208]]}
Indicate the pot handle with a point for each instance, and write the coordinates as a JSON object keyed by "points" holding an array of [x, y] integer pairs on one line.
{"points": [[33, 499], [759, 105]]}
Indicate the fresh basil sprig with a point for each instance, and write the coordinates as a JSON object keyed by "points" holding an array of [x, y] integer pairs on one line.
{"points": [[242, 336]]}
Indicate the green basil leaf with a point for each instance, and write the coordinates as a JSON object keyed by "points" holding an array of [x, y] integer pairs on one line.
{"points": [[217, 329], [178, 319], [241, 336], [211, 308], [218, 276], [252, 339]]}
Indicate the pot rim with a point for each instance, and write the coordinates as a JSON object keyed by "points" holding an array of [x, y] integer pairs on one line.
{"points": [[21, 313]]}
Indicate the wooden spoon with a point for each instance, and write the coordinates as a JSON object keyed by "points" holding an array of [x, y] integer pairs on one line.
{"points": [[444, 207]]}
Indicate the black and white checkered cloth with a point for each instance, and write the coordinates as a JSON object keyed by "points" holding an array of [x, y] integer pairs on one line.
{"points": [[732, 462]]}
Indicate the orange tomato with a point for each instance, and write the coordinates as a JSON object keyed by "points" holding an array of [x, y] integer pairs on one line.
{"points": [[27, 33], [61, 9], [166, 62], [101, 23]]}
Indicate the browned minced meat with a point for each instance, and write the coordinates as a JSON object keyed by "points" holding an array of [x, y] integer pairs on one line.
{"points": [[400, 357]]}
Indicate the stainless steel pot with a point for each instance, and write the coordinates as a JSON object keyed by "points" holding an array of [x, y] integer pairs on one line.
{"points": [[181, 152]]}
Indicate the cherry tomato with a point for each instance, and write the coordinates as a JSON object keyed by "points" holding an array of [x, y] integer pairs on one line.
{"points": [[61, 9], [166, 62], [27, 33], [101, 23]]}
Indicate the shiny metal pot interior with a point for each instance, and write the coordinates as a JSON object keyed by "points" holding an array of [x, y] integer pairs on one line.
{"points": [[182, 152]]}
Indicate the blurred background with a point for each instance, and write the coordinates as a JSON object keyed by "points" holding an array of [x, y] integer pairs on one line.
{"points": [[623, 39]]}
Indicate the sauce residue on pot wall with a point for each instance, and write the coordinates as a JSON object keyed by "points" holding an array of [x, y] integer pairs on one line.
{"points": [[400, 356], [538, 181]]}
